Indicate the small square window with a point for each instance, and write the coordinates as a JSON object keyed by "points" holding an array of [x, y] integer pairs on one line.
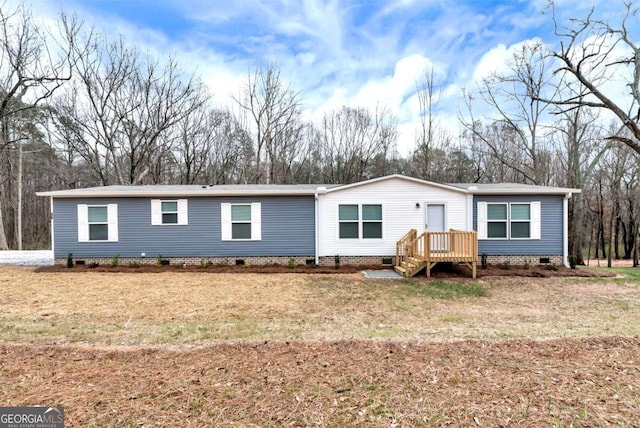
{"points": [[520, 212], [348, 212], [348, 230], [497, 212], [98, 214], [241, 213], [497, 230], [520, 230], [98, 232], [241, 231], [372, 212], [372, 230]]}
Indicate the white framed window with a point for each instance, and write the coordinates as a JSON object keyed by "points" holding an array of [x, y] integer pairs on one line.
{"points": [[520, 221], [360, 221], [371, 221], [497, 221], [97, 223], [169, 212], [241, 222], [349, 221], [509, 220]]}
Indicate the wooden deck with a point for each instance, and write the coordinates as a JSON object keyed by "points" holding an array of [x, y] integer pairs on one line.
{"points": [[415, 252]]}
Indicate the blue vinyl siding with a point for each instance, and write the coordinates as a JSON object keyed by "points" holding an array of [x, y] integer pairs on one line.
{"points": [[288, 229], [551, 233]]}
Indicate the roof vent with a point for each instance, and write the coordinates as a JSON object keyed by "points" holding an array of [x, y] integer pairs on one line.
{"points": [[204, 187]]}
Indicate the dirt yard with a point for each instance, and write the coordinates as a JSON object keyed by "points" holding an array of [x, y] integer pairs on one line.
{"points": [[200, 349]]}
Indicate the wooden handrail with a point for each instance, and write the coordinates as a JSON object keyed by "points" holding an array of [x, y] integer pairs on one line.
{"points": [[404, 247], [454, 245], [434, 247]]}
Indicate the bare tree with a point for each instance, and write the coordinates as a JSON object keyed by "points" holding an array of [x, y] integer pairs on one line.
{"points": [[579, 148], [121, 108], [34, 63], [430, 136], [273, 114], [351, 139], [514, 99], [593, 51]]}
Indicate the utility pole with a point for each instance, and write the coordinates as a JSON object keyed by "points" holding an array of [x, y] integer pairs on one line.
{"points": [[19, 222]]}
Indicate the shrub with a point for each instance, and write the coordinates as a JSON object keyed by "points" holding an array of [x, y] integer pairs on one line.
{"points": [[573, 261], [134, 264], [336, 260], [291, 263], [115, 260], [70, 260], [551, 266], [93, 265], [159, 259], [204, 263]]}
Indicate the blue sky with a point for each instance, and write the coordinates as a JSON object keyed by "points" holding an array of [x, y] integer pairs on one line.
{"points": [[337, 52]]}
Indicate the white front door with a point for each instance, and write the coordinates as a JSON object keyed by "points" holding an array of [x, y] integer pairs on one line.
{"points": [[435, 218], [435, 221]]}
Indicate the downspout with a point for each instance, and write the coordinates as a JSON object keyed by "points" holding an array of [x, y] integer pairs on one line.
{"points": [[52, 225], [565, 230], [319, 190], [316, 225], [470, 197]]}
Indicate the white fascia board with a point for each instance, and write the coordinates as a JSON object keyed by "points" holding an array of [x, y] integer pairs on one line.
{"points": [[174, 194], [402, 177], [537, 191]]}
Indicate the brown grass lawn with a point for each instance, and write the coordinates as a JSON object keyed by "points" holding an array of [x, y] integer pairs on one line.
{"points": [[202, 349]]}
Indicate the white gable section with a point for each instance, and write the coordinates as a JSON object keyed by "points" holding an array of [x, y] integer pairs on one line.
{"points": [[398, 196]]}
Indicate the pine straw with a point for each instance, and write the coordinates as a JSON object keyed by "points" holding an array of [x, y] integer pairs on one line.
{"points": [[585, 382]]}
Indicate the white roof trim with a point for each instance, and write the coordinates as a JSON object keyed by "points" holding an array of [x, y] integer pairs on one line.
{"points": [[175, 191], [133, 192], [402, 177], [516, 189]]}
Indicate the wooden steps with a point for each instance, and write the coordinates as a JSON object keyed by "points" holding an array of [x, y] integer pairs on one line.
{"points": [[415, 253], [410, 266]]}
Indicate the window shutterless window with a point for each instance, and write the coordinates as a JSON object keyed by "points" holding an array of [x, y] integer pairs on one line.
{"points": [[372, 221], [348, 217], [360, 221]]}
